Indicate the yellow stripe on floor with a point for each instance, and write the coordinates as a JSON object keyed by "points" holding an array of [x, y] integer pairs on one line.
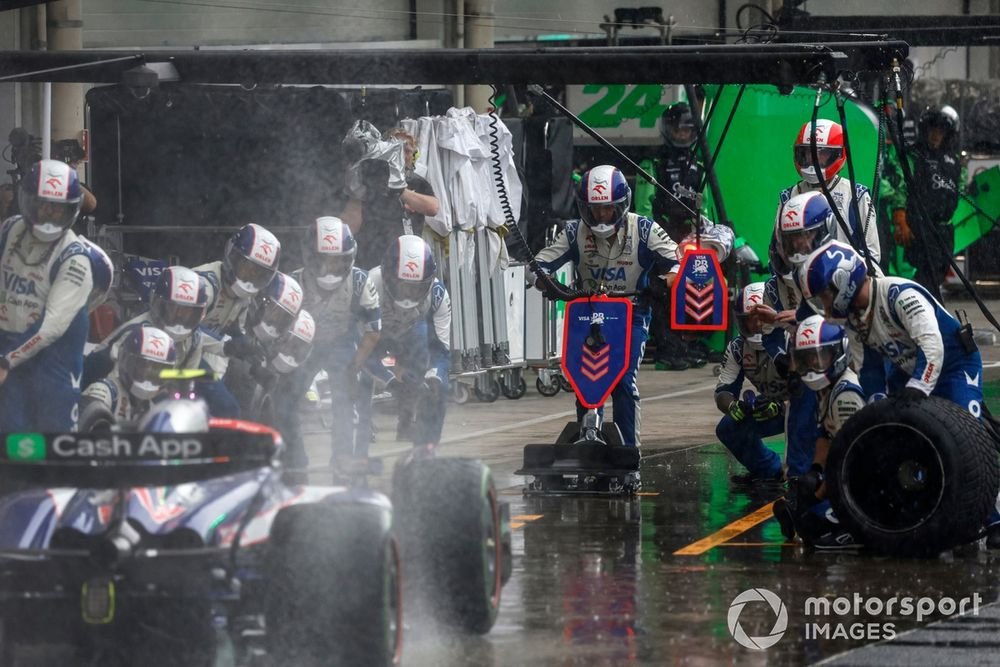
{"points": [[729, 532], [518, 520]]}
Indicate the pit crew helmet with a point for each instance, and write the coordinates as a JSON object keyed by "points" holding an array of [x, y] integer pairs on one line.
{"points": [[821, 352], [803, 225], [144, 353], [273, 311], [834, 272], [250, 260], [408, 270], [294, 347], [945, 118], [179, 301], [749, 298], [603, 186], [829, 146], [49, 198], [102, 270], [329, 253], [176, 416], [677, 125]]}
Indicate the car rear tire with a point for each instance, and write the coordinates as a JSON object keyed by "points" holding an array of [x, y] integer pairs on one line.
{"points": [[448, 518], [332, 593], [913, 478]]}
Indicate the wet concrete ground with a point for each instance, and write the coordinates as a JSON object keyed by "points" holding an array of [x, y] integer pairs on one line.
{"points": [[651, 581]]}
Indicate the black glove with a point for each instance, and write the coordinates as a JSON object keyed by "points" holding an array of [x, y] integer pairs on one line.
{"points": [[782, 365], [243, 347], [764, 410]]}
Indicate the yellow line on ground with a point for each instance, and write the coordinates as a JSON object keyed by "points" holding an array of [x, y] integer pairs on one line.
{"points": [[518, 520], [728, 533], [648, 493], [759, 544]]}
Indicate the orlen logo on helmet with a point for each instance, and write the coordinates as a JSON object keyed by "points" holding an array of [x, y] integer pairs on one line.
{"points": [[791, 219], [185, 291], [599, 191], [808, 337], [155, 346], [330, 243], [411, 262], [291, 297], [822, 133], [265, 252], [752, 300], [305, 328], [53, 186]]}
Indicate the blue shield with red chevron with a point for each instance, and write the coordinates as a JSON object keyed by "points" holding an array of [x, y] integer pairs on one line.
{"points": [[596, 343], [699, 299]]}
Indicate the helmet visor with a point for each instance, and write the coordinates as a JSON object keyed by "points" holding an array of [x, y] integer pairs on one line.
{"points": [[294, 350], [169, 314], [331, 265], [828, 155], [815, 359], [602, 217], [38, 211], [748, 324], [796, 245], [681, 135], [251, 272], [275, 319], [409, 291]]}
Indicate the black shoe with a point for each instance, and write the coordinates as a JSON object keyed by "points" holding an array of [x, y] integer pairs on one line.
{"points": [[836, 539], [695, 361], [993, 536], [672, 364], [783, 513], [746, 479]]}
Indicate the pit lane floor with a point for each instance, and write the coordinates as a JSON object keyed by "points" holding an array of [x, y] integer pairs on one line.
{"points": [[651, 581]]}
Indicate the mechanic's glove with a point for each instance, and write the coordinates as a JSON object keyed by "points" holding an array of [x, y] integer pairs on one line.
{"points": [[739, 410], [782, 364], [433, 384], [762, 411], [901, 228], [911, 395], [243, 347]]}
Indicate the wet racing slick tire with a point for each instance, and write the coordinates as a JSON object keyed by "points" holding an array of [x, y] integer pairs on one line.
{"points": [[332, 585], [913, 478], [448, 518]]}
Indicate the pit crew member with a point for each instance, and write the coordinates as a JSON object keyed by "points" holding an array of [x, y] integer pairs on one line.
{"points": [[47, 281], [614, 250]]}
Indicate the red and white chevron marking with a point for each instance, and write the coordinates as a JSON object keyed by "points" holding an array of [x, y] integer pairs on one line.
{"points": [[699, 302], [594, 364]]}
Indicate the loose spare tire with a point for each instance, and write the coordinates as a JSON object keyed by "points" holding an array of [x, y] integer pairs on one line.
{"points": [[913, 478]]}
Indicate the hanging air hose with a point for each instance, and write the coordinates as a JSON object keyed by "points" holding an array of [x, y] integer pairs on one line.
{"points": [[862, 228], [860, 248], [549, 286], [922, 212]]}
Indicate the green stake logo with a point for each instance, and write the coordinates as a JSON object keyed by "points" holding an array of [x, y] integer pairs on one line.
{"points": [[25, 447]]}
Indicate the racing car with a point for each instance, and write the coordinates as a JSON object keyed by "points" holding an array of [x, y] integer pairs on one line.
{"points": [[162, 548]]}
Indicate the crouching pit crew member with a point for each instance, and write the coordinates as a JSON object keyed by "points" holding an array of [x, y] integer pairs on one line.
{"points": [[821, 356], [748, 419]]}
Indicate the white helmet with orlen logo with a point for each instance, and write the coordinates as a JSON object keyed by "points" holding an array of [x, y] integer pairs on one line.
{"points": [[274, 310], [750, 297], [408, 270], [144, 354], [329, 256], [179, 301], [250, 260], [292, 349], [602, 189]]}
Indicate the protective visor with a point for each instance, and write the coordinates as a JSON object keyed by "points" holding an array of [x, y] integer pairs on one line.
{"points": [[827, 155], [247, 271], [170, 314], [816, 359]]}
